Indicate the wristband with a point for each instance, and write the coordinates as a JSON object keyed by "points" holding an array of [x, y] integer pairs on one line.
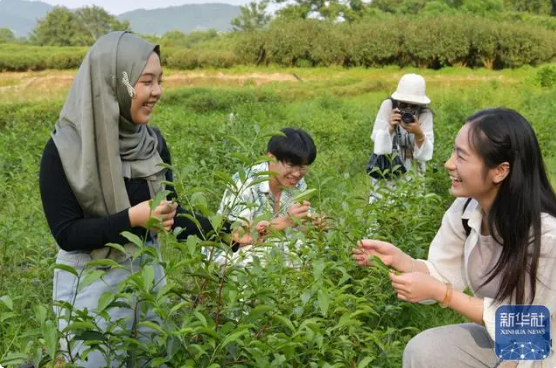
{"points": [[448, 296]]}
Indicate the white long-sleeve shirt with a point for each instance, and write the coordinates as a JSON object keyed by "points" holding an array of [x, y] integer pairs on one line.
{"points": [[383, 140], [449, 255]]}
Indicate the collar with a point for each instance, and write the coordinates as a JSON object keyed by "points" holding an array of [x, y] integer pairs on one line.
{"points": [[264, 186], [474, 215]]}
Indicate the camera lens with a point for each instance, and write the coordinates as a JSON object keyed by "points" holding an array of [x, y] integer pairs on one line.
{"points": [[407, 117]]}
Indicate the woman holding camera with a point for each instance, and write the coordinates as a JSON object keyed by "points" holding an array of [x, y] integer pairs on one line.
{"points": [[498, 239], [404, 125]]}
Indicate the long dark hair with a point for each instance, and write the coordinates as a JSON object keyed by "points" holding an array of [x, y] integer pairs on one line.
{"points": [[514, 220]]}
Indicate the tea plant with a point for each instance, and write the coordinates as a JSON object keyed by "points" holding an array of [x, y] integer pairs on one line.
{"points": [[326, 311]]}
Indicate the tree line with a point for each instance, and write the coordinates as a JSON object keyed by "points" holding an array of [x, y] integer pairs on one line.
{"points": [[425, 33]]}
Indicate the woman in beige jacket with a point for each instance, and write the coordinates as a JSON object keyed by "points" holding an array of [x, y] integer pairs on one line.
{"points": [[498, 239]]}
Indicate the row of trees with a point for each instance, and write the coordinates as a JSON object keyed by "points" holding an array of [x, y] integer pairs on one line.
{"points": [[462, 40], [255, 14], [335, 32], [64, 27]]}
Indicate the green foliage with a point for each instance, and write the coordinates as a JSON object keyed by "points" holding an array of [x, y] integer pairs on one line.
{"points": [[532, 6], [547, 76], [59, 28], [328, 312], [65, 60], [6, 35], [380, 44], [177, 38], [96, 21], [253, 16], [440, 34], [63, 27], [452, 40], [26, 57], [191, 59]]}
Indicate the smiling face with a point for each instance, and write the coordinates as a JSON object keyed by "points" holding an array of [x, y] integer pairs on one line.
{"points": [[288, 175], [148, 90], [468, 173]]}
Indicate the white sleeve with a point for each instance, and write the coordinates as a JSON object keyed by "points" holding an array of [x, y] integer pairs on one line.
{"points": [[424, 153], [380, 135], [446, 252]]}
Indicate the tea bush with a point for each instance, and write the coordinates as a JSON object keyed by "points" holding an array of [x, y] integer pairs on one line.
{"points": [[326, 313]]}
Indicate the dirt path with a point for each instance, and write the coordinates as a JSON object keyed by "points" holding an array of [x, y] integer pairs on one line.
{"points": [[54, 84], [62, 79]]}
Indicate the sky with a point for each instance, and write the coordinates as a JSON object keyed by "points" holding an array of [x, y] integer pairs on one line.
{"points": [[121, 6]]}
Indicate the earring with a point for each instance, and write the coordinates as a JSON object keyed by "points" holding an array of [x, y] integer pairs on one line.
{"points": [[125, 82]]}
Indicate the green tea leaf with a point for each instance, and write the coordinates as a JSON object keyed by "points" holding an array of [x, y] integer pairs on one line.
{"points": [[304, 195], [365, 362], [89, 277], [234, 336], [7, 302], [66, 268], [132, 238], [324, 301], [201, 318], [50, 334], [147, 274], [115, 246]]}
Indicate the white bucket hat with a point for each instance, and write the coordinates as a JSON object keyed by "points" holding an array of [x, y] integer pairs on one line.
{"points": [[411, 88]]}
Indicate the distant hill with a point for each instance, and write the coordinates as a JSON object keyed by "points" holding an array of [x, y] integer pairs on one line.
{"points": [[21, 17], [186, 18]]}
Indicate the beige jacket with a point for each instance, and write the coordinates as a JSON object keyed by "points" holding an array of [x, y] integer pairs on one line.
{"points": [[449, 255]]}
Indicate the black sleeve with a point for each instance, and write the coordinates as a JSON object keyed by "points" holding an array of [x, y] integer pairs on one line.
{"points": [[189, 226], [64, 215]]}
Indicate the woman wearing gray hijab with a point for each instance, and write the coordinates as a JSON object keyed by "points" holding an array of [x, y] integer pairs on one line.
{"points": [[99, 171]]}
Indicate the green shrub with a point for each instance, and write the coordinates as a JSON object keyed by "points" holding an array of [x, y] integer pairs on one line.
{"points": [[290, 40], [521, 45], [26, 57], [191, 59], [329, 45], [546, 76], [250, 47], [436, 43], [183, 59], [166, 53], [374, 44], [327, 313], [65, 60], [216, 59]]}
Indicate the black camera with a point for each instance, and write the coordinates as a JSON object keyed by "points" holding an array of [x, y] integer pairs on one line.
{"points": [[408, 117]]}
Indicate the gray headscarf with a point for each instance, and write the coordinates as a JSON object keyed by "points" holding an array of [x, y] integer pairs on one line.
{"points": [[97, 141]]}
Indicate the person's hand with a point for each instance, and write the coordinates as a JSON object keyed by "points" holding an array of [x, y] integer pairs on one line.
{"points": [[262, 228], [388, 253], [165, 212], [413, 128], [242, 236], [395, 119], [299, 210], [417, 286]]}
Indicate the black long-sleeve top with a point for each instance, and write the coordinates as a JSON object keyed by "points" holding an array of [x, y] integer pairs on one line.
{"points": [[68, 224]]}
